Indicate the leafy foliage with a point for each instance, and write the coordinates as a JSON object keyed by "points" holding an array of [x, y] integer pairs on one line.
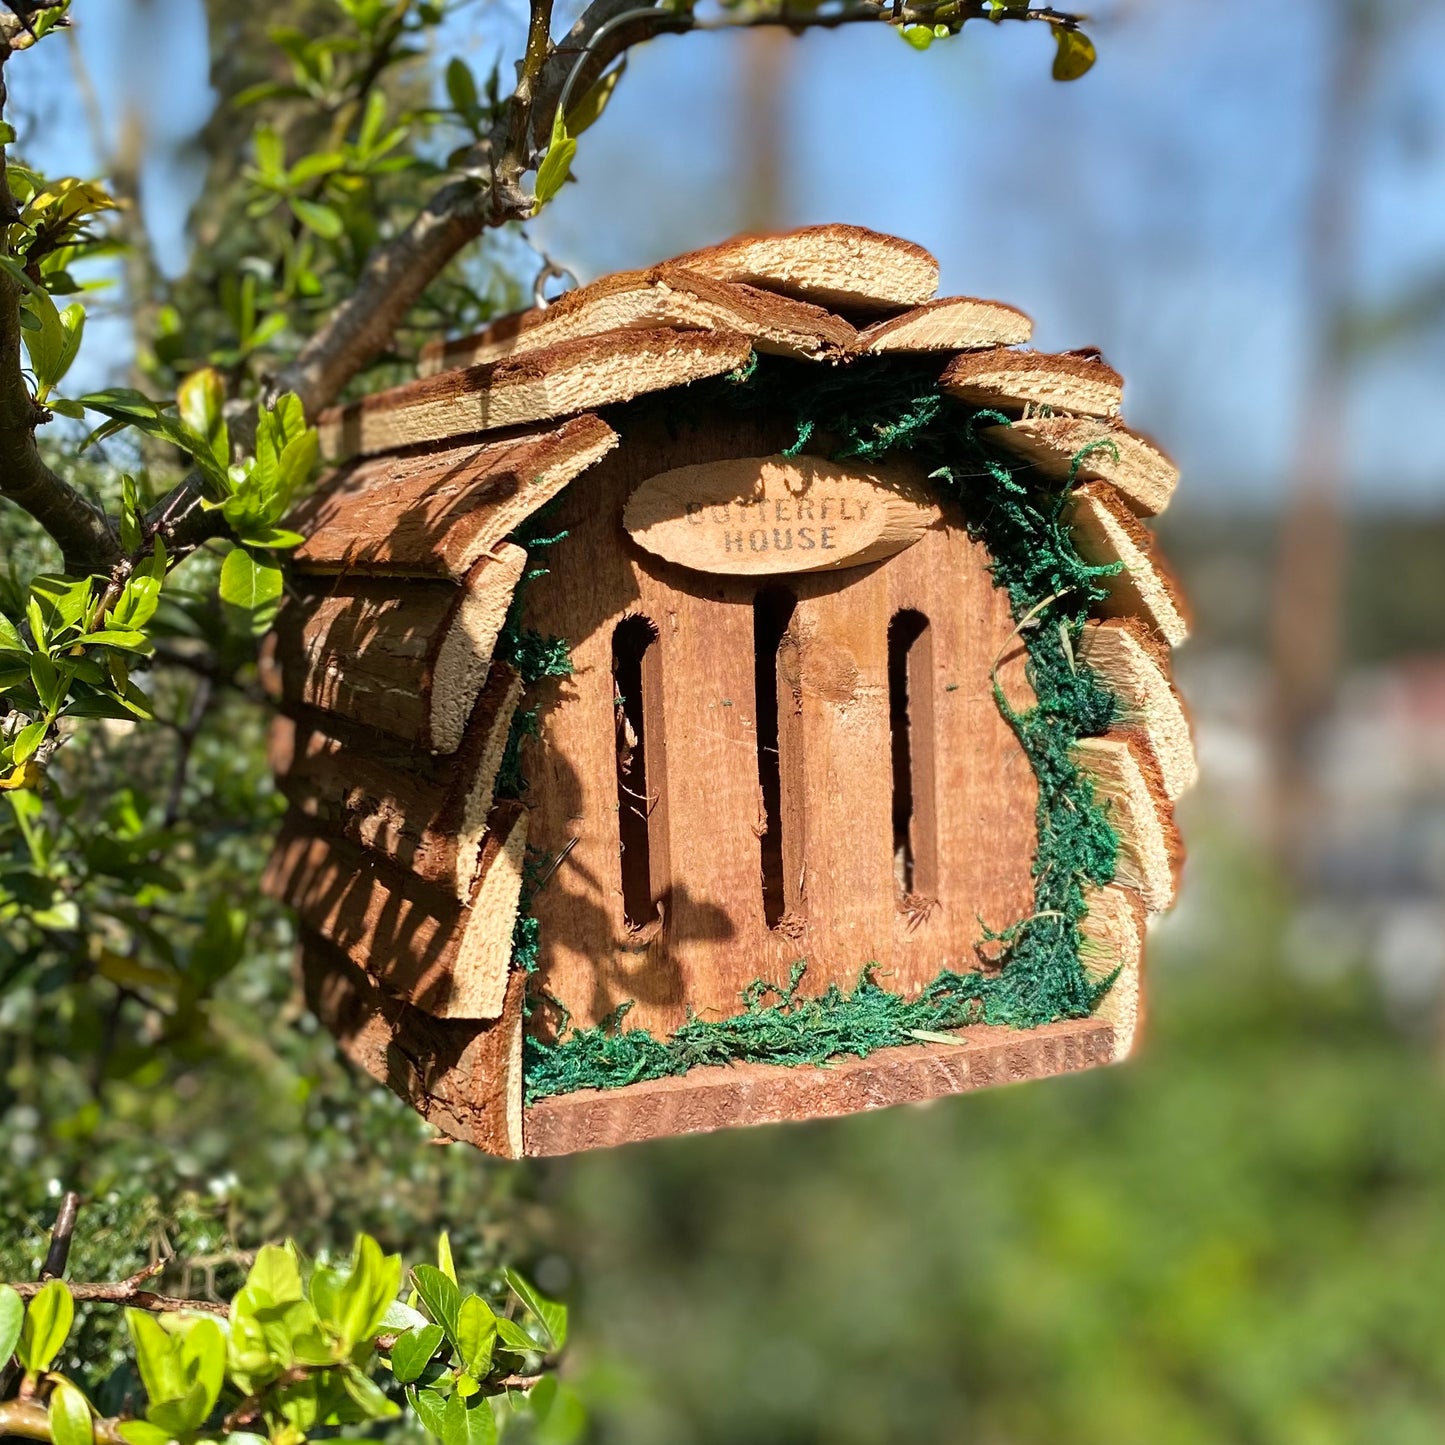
{"points": [[302, 1346]]}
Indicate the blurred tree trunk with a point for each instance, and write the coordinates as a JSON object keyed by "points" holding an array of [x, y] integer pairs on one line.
{"points": [[767, 61], [1313, 544]]}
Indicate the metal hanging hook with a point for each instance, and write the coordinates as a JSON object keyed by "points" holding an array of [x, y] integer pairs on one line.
{"points": [[551, 271]]}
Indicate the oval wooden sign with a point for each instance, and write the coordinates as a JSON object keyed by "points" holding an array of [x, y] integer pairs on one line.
{"points": [[779, 514]]}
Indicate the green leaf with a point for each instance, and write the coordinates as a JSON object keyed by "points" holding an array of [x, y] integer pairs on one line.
{"points": [[45, 677], [589, 109], [413, 1350], [47, 1326], [440, 1295], [468, 1422], [552, 1314], [116, 637], [557, 163], [315, 216], [63, 601], [10, 639], [430, 1407], [142, 1432], [69, 1415], [130, 528], [310, 168], [46, 343], [250, 590], [12, 1320], [400, 1317], [515, 1338], [276, 1272], [445, 1263], [72, 320], [476, 1334], [279, 538], [182, 1417], [462, 88], [1075, 54], [137, 602], [157, 1358], [270, 154], [367, 1291], [201, 400], [368, 1396], [920, 37], [125, 706], [27, 741], [17, 274], [203, 1357]]}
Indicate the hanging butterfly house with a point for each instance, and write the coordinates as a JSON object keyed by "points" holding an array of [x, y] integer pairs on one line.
{"points": [[739, 691]]}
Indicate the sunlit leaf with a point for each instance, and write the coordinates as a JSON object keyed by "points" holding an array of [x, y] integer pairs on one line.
{"points": [[1075, 54], [12, 1320], [550, 1312], [47, 1326], [69, 1416], [557, 163], [413, 1350], [250, 590]]}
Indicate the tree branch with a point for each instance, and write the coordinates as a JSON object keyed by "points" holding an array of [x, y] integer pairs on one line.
{"points": [[28, 1420], [130, 1292], [86, 540], [60, 1235], [397, 273]]}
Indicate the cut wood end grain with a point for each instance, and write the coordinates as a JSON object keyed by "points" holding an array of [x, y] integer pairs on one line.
{"points": [[483, 957], [465, 654], [561, 380], [435, 514], [425, 814], [1132, 464], [1127, 781], [664, 296], [1113, 943], [953, 323], [833, 265], [1134, 665], [1018, 380], [463, 1078], [447, 958], [1106, 531]]}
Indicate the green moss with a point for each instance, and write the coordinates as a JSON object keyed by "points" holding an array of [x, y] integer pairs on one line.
{"points": [[873, 409]]}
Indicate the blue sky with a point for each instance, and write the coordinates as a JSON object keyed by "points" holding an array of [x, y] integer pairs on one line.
{"points": [[1154, 208]]}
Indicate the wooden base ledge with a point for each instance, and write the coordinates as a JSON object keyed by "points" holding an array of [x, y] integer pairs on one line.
{"points": [[728, 1096]]}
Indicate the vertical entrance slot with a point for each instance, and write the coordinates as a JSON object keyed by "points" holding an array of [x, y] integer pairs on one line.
{"points": [[779, 724], [911, 724], [636, 696]]}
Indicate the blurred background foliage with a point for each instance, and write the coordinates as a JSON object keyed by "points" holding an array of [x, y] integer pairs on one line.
{"points": [[1241, 1235]]}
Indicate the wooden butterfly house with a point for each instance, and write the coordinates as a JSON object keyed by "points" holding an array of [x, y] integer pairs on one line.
{"points": [[737, 691]]}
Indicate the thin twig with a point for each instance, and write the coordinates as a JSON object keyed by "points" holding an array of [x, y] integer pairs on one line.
{"points": [[28, 1420], [57, 1256], [129, 1292]]}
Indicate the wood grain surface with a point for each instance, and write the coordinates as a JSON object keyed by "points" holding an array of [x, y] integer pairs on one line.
{"points": [[720, 1098], [711, 936]]}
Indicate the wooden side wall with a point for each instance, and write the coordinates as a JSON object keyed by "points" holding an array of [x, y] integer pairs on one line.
{"points": [[845, 908]]}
